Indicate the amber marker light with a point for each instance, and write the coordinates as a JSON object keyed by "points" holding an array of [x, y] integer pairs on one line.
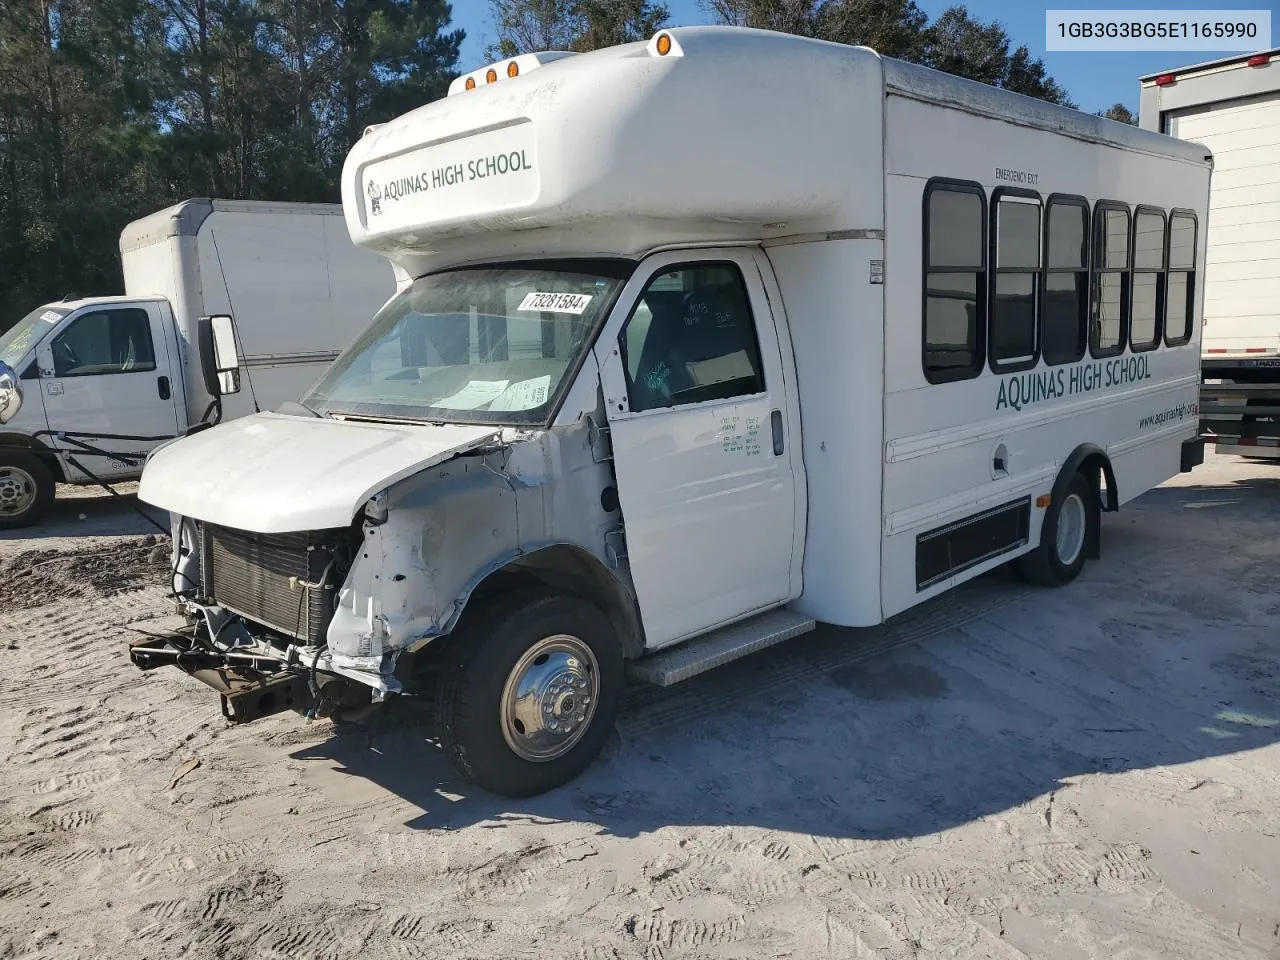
{"points": [[664, 44], [491, 76], [513, 69], [471, 83]]}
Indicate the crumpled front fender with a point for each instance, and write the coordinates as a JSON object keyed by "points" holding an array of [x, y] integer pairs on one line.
{"points": [[442, 525]]}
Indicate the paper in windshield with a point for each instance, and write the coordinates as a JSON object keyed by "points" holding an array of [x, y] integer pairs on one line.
{"points": [[474, 395], [524, 395]]}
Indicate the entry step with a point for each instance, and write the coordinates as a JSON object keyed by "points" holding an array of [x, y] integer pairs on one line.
{"points": [[722, 646]]}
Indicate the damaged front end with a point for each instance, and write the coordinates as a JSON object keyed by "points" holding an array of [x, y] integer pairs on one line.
{"points": [[258, 610]]}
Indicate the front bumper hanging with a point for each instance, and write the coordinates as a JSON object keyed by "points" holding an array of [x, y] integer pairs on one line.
{"points": [[250, 687]]}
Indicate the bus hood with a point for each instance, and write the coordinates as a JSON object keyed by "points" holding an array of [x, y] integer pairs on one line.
{"points": [[273, 473]]}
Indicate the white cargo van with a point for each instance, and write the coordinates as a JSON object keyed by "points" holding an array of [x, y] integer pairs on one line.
{"points": [[88, 387], [711, 338]]}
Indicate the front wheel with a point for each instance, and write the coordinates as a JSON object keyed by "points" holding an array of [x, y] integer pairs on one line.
{"points": [[530, 692], [1061, 554], [26, 489]]}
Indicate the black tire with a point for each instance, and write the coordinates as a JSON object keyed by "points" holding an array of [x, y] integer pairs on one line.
{"points": [[484, 653], [1043, 566], [26, 474]]}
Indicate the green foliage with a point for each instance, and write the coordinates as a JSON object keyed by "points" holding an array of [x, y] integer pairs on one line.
{"points": [[1119, 113], [526, 26], [113, 109], [956, 42]]}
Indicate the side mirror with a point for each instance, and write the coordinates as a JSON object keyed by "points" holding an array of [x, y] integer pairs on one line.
{"points": [[10, 393], [219, 358]]}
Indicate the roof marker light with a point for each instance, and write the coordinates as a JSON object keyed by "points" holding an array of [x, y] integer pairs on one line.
{"points": [[1259, 60], [664, 44], [521, 65], [1165, 79]]}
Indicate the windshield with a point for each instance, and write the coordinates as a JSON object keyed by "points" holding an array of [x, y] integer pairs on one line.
{"points": [[27, 332], [490, 345]]}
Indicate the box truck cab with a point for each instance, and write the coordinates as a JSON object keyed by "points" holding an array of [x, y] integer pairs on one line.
{"points": [[710, 338], [88, 387]]}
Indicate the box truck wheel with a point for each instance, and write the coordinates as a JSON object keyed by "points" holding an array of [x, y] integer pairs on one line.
{"points": [[1060, 556], [530, 692], [26, 488]]}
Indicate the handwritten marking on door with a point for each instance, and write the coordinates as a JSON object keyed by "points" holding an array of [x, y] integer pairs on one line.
{"points": [[740, 435]]}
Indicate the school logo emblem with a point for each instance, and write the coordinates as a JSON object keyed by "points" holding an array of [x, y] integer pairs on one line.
{"points": [[375, 197]]}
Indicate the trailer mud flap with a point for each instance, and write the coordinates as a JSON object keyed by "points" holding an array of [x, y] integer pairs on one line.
{"points": [[1192, 454]]}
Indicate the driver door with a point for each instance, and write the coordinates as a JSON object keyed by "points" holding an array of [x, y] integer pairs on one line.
{"points": [[705, 442], [108, 384]]}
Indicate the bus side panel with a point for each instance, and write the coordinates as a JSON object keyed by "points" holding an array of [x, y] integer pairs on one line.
{"points": [[965, 461], [835, 314]]}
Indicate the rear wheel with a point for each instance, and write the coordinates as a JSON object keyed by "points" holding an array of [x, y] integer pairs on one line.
{"points": [[529, 693], [1061, 554], [26, 489]]}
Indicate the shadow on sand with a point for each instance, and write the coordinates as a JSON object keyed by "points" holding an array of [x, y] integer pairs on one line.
{"points": [[1164, 652]]}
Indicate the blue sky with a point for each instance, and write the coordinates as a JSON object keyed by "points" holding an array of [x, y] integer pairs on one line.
{"points": [[1094, 80]]}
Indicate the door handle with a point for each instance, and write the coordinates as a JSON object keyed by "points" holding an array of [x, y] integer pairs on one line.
{"points": [[162, 385], [775, 420]]}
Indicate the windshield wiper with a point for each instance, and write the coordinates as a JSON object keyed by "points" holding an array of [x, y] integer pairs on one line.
{"points": [[296, 408]]}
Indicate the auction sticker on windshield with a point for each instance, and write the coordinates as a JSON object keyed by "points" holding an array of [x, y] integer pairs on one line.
{"points": [[574, 303]]}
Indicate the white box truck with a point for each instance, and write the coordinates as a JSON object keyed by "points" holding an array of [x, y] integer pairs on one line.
{"points": [[88, 387], [1232, 106], [710, 338]]}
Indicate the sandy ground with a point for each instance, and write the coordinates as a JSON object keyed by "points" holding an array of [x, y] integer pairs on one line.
{"points": [[1008, 772]]}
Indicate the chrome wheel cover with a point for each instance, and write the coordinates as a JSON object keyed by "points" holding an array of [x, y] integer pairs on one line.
{"points": [[1071, 529], [17, 491], [550, 698]]}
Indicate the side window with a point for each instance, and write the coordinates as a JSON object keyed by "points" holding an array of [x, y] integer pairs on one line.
{"points": [[1148, 278], [955, 280], [1109, 308], [105, 341], [1181, 288], [1066, 280], [691, 338], [1016, 295]]}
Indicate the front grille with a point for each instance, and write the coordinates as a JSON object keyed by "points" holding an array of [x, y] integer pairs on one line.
{"points": [[249, 574]]}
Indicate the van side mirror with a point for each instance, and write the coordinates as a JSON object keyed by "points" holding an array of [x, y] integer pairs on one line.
{"points": [[219, 358]]}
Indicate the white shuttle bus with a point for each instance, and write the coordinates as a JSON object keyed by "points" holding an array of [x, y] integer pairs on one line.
{"points": [[710, 338]]}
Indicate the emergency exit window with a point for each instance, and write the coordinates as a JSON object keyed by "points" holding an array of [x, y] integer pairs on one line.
{"points": [[1016, 303]]}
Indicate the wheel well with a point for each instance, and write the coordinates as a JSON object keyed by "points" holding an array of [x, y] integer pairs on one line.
{"points": [[1094, 465], [573, 571], [21, 441]]}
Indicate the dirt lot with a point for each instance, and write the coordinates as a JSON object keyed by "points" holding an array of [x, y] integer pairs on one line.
{"points": [[1008, 772]]}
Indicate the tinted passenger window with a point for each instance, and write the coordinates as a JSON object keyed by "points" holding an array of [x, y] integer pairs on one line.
{"points": [[1066, 280], [106, 341], [1148, 278], [1181, 282], [1110, 299], [691, 338], [955, 281], [1014, 308]]}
